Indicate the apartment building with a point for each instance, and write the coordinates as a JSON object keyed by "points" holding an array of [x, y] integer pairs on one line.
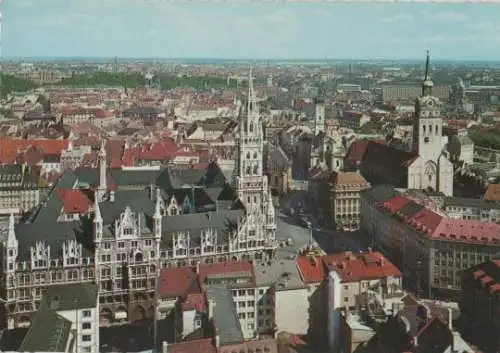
{"points": [[264, 298], [345, 193], [480, 303], [67, 320], [343, 280], [430, 248], [19, 188], [409, 92], [472, 209]]}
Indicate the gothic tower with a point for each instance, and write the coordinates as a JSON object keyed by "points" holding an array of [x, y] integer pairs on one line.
{"points": [[252, 184], [319, 117], [102, 188]]}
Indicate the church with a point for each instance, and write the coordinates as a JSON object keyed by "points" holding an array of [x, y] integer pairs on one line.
{"points": [[425, 165]]}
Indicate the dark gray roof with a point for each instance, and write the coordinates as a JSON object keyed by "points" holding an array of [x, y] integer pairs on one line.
{"points": [[11, 173], [224, 221], [134, 177], [49, 332], [53, 234], [225, 316], [72, 296], [468, 202], [137, 200], [379, 193]]}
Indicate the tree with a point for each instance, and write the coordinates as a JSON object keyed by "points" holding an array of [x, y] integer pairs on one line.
{"points": [[10, 83]]}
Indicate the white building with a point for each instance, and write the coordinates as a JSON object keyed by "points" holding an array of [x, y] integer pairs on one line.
{"points": [[67, 321], [432, 168]]}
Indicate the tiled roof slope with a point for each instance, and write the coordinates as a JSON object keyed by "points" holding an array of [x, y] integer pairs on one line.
{"points": [[434, 225], [49, 332]]}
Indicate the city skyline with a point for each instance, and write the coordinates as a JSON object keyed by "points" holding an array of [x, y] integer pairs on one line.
{"points": [[158, 29]]}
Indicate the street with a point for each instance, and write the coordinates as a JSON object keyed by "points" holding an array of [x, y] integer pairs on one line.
{"points": [[327, 239]]}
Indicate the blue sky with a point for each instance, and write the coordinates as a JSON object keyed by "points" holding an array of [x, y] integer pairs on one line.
{"points": [[187, 29]]}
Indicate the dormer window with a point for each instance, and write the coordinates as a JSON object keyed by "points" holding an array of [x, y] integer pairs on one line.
{"points": [[128, 231]]}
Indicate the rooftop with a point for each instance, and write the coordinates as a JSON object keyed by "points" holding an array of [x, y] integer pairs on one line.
{"points": [[49, 332], [226, 321], [492, 192], [71, 296], [283, 274], [363, 266]]}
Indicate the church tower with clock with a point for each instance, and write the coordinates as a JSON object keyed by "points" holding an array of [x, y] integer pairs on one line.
{"points": [[433, 168]]}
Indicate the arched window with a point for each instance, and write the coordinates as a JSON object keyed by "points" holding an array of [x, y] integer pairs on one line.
{"points": [[430, 129], [251, 127], [437, 130], [249, 170], [255, 169], [255, 155], [424, 129], [248, 155]]}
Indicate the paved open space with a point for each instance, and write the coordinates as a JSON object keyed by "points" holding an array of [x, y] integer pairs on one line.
{"points": [[329, 240]]}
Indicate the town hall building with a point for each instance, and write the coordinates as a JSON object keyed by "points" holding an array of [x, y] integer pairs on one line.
{"points": [[117, 228]]}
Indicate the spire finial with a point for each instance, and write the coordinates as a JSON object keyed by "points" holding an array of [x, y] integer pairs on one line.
{"points": [[427, 62]]}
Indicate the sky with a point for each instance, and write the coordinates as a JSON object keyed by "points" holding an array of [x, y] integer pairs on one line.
{"points": [[249, 30]]}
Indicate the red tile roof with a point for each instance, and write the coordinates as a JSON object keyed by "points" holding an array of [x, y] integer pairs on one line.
{"points": [[425, 220], [492, 192], [468, 230], [395, 204], [9, 148], [194, 301], [75, 201], [359, 267], [311, 268], [195, 346], [356, 151], [437, 226], [226, 268], [176, 281]]}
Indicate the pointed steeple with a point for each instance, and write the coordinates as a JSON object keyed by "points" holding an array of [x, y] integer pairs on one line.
{"points": [[98, 221], [157, 214], [103, 187], [157, 217], [11, 237], [427, 84], [270, 206]]}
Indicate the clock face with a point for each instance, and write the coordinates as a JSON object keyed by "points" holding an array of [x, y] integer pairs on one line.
{"points": [[430, 103]]}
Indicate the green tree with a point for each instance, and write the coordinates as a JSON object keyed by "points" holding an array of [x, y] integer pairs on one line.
{"points": [[10, 83]]}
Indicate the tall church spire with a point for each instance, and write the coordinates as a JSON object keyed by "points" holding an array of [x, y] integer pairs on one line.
{"points": [[103, 187], [427, 84]]}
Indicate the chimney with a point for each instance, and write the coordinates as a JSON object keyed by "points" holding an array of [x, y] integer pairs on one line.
{"points": [[450, 319]]}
